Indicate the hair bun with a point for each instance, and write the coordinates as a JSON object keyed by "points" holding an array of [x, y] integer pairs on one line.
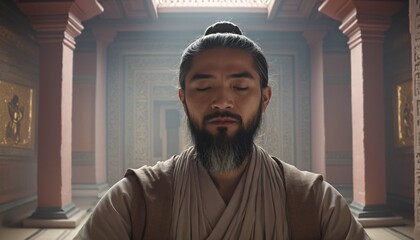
{"points": [[223, 27]]}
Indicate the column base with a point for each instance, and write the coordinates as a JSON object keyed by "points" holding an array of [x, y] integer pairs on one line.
{"points": [[381, 222], [375, 216], [375, 211], [55, 213], [71, 222]]}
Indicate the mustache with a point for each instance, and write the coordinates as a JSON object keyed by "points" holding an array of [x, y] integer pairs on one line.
{"points": [[222, 114]]}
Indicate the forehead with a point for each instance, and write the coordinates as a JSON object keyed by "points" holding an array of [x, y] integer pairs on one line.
{"points": [[222, 58]]}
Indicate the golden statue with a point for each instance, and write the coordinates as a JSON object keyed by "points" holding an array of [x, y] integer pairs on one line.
{"points": [[16, 116]]}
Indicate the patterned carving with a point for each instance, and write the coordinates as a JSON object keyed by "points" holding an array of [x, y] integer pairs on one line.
{"points": [[130, 111], [415, 45], [114, 113], [16, 118], [403, 114], [278, 127], [165, 93], [303, 156]]}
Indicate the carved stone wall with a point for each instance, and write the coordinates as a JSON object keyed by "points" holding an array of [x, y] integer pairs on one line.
{"points": [[399, 114], [415, 45], [19, 69], [143, 71]]}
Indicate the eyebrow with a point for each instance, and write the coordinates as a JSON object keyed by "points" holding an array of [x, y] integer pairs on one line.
{"points": [[241, 75], [199, 76]]}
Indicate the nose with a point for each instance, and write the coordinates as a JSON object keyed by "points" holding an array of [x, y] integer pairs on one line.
{"points": [[222, 100]]}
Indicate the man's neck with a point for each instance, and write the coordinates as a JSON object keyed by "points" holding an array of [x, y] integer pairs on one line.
{"points": [[226, 182]]}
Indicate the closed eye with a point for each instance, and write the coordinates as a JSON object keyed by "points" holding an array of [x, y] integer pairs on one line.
{"points": [[203, 89], [241, 88]]}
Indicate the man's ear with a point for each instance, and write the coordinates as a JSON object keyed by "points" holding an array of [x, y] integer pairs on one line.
{"points": [[181, 96], [266, 96]]}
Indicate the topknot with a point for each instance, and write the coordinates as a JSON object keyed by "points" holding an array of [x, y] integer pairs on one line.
{"points": [[223, 27]]}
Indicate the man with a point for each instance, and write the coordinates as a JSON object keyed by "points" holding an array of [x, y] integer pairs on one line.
{"points": [[224, 186]]}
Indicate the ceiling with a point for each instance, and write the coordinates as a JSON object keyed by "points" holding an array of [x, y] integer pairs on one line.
{"points": [[150, 9], [166, 15]]}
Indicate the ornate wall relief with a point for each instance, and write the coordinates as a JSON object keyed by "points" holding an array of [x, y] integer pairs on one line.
{"points": [[16, 115], [403, 112], [18, 77], [18, 107]]}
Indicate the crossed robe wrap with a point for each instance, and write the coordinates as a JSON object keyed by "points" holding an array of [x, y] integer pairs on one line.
{"points": [[255, 211]]}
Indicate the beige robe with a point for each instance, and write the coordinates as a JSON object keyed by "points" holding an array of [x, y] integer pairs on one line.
{"points": [[140, 207], [256, 210]]}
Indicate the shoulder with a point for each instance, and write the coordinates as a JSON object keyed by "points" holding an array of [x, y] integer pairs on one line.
{"points": [[148, 175], [155, 182], [296, 177], [302, 189], [316, 207], [113, 209]]}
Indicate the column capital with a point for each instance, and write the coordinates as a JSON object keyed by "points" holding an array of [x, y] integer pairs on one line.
{"points": [[362, 20], [59, 21], [313, 37], [104, 35]]}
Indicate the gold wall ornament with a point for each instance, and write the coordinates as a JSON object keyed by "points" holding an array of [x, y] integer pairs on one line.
{"points": [[404, 134], [16, 115]]}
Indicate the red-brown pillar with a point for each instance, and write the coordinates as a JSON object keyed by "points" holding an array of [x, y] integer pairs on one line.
{"points": [[103, 39], [57, 24], [315, 42], [91, 179], [364, 22]]}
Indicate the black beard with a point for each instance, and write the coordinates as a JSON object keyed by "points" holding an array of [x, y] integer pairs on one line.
{"points": [[222, 153]]}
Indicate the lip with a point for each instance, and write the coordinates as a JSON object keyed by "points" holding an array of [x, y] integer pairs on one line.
{"points": [[222, 121]]}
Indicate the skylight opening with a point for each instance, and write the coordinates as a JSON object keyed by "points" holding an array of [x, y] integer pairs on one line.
{"points": [[213, 3]]}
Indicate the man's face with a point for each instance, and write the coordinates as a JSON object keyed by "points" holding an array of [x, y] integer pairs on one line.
{"points": [[224, 102]]}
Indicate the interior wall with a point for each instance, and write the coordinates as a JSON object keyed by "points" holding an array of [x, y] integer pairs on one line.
{"points": [[18, 77], [399, 125]]}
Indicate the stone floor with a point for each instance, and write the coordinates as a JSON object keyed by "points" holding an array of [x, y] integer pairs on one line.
{"points": [[20, 233]]}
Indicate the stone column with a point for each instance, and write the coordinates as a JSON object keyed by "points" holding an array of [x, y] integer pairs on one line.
{"points": [[315, 42], [97, 183], [415, 49], [365, 22], [57, 24], [103, 39]]}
